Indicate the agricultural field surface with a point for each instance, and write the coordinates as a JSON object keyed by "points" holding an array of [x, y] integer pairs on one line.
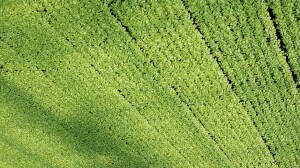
{"points": [[150, 83]]}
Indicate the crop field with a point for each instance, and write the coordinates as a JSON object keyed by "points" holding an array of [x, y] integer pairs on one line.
{"points": [[149, 83]]}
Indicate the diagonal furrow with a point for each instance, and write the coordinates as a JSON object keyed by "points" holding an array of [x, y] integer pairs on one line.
{"points": [[282, 45], [53, 82], [134, 39], [199, 121], [208, 45], [173, 88], [155, 128], [133, 106], [122, 24], [261, 135], [227, 77]]}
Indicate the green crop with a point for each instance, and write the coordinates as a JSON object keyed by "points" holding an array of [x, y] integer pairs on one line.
{"points": [[149, 83]]}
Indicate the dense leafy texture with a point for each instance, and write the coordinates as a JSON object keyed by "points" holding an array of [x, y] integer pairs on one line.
{"points": [[149, 83]]}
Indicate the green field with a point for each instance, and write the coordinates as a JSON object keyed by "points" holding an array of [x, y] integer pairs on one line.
{"points": [[149, 83]]}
